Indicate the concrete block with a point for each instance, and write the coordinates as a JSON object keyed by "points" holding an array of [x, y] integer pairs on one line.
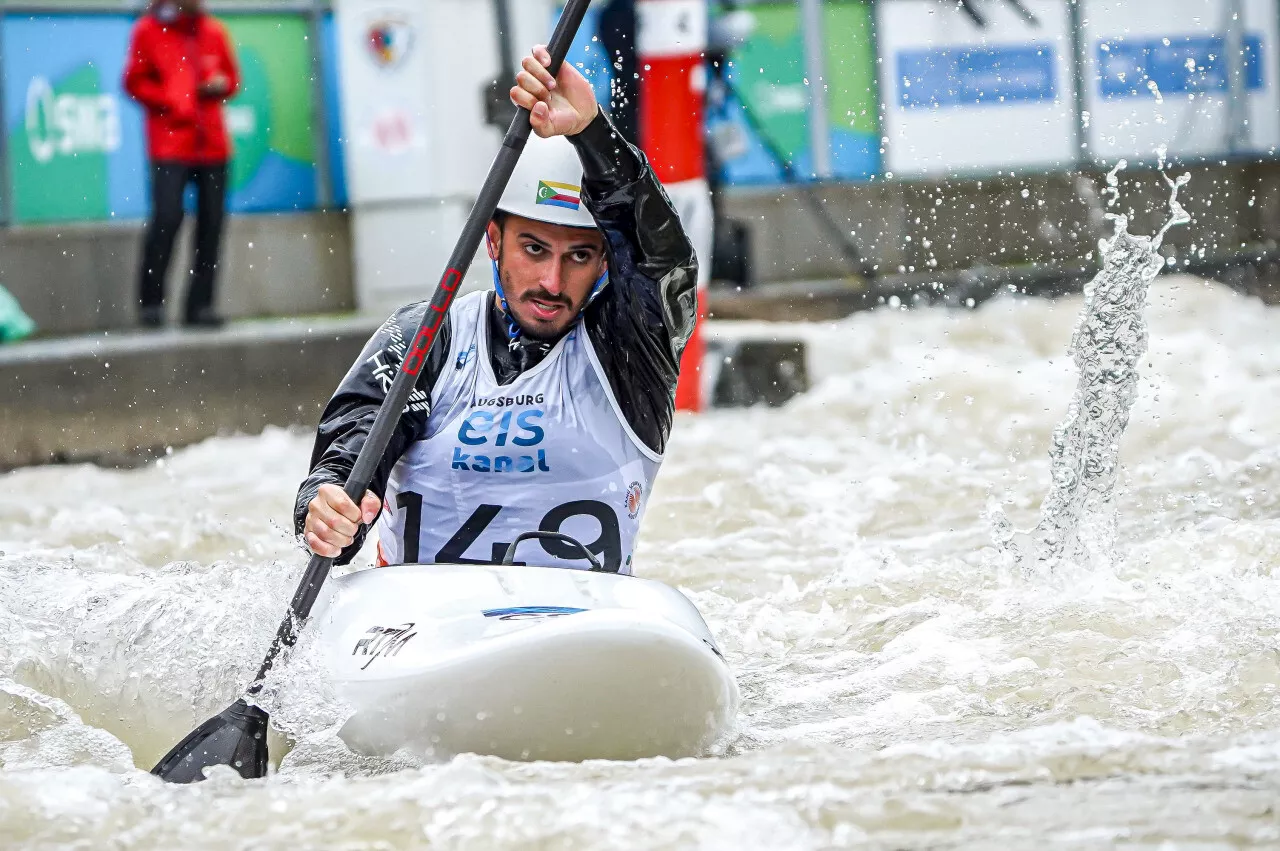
{"points": [[796, 301], [121, 398], [281, 265], [73, 278], [947, 224], [118, 398], [742, 370], [790, 242], [1265, 198]]}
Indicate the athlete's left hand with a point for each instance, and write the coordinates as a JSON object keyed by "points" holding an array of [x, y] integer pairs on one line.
{"points": [[559, 106]]}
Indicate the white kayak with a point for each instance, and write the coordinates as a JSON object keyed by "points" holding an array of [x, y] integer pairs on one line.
{"points": [[523, 663]]}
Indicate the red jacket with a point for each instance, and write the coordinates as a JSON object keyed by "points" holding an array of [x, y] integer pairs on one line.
{"points": [[166, 65]]}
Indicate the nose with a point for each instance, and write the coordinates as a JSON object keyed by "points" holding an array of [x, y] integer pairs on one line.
{"points": [[553, 279]]}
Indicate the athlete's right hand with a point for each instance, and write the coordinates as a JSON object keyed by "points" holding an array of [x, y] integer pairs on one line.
{"points": [[333, 519]]}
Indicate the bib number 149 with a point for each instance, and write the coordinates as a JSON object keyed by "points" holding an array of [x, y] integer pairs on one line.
{"points": [[607, 546]]}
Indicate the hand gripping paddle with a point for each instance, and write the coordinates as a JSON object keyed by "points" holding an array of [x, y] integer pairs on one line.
{"points": [[238, 735]]}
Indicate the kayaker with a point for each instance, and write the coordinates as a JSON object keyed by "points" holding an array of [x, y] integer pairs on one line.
{"points": [[548, 402]]}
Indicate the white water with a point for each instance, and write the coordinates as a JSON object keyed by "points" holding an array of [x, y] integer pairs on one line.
{"points": [[904, 687]]}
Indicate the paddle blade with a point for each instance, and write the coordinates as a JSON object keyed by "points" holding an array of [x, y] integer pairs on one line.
{"points": [[236, 737]]}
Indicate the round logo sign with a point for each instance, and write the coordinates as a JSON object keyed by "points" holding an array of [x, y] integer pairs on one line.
{"points": [[634, 493], [389, 41]]}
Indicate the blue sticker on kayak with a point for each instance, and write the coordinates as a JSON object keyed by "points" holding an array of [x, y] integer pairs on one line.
{"points": [[528, 612]]}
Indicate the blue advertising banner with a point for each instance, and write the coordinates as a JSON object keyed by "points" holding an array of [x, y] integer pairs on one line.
{"points": [[273, 164], [330, 69], [758, 111], [977, 75], [1177, 65], [76, 141], [964, 98], [757, 118], [1160, 83]]}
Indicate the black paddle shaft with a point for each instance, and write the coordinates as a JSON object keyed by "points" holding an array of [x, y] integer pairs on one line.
{"points": [[388, 416]]}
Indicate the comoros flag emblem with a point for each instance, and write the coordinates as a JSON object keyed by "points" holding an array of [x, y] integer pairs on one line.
{"points": [[559, 194]]}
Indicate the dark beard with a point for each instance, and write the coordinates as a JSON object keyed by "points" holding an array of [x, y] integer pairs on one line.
{"points": [[548, 339]]}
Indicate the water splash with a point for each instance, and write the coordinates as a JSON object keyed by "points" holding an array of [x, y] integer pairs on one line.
{"points": [[1078, 518]]}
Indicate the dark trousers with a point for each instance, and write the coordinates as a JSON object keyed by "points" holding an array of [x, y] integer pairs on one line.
{"points": [[168, 181]]}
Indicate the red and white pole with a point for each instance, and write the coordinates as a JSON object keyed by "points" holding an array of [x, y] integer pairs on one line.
{"points": [[670, 45]]}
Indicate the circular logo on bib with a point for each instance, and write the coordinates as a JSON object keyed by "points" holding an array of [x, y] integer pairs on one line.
{"points": [[633, 499]]}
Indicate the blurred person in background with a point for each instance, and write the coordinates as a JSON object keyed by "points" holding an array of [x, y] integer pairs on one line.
{"points": [[181, 67]]}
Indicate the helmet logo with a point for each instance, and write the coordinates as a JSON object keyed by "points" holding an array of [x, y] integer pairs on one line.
{"points": [[558, 194]]}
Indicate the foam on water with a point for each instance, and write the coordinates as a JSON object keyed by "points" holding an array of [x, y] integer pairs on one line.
{"points": [[903, 687]]}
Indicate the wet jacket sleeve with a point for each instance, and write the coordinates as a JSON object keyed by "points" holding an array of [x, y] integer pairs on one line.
{"points": [[349, 415], [640, 322]]}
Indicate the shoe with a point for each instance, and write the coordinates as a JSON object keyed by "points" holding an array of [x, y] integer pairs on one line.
{"points": [[151, 316], [205, 319]]}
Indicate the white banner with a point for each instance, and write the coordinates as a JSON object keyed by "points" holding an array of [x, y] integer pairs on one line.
{"points": [[385, 81], [964, 97], [1159, 76], [671, 27]]}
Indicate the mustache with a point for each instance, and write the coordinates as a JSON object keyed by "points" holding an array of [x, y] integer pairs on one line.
{"points": [[546, 298]]}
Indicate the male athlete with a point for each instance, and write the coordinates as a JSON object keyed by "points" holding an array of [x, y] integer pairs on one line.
{"points": [[547, 401]]}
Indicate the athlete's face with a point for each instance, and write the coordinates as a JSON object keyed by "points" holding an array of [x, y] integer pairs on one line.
{"points": [[547, 271]]}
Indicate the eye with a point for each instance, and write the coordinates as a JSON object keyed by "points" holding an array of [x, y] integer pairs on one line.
{"points": [[533, 249], [581, 256]]}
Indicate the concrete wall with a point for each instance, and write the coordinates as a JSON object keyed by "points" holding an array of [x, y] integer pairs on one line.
{"points": [[123, 398], [918, 226], [84, 277]]}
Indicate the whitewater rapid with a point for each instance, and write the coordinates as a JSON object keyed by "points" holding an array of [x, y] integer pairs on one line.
{"points": [[904, 684]]}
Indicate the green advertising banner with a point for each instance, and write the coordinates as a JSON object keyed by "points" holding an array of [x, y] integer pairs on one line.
{"points": [[76, 142], [770, 98], [270, 121]]}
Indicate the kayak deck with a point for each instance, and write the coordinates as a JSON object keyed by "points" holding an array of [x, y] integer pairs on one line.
{"points": [[523, 663]]}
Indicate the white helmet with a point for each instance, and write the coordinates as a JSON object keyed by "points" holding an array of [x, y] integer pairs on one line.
{"points": [[547, 184]]}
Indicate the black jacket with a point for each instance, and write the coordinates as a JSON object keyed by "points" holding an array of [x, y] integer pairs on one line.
{"points": [[638, 325]]}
